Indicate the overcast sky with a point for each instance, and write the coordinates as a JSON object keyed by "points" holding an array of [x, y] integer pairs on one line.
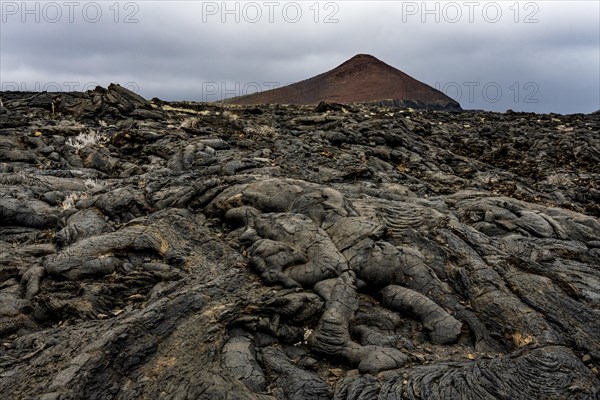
{"points": [[541, 56]]}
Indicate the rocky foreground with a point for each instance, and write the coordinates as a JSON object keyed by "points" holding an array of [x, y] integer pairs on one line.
{"points": [[189, 251]]}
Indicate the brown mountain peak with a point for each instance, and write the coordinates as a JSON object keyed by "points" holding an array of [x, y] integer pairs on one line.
{"points": [[363, 58], [361, 79], [360, 63]]}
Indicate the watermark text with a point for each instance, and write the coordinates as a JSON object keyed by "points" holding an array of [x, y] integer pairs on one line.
{"points": [[490, 92], [58, 86], [253, 12], [470, 11], [53, 12]]}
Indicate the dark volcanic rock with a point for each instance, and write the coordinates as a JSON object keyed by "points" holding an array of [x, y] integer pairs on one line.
{"points": [[194, 251]]}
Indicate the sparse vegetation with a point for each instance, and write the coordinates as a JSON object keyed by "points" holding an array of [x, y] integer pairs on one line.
{"points": [[231, 116], [190, 123], [93, 184], [87, 139], [185, 110], [261, 130], [69, 201], [558, 179]]}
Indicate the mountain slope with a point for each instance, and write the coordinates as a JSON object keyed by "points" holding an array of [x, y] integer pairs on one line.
{"points": [[362, 79]]}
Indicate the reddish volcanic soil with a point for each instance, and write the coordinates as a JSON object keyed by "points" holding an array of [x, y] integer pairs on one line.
{"points": [[362, 79]]}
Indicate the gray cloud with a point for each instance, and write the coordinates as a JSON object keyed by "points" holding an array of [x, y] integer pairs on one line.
{"points": [[174, 51]]}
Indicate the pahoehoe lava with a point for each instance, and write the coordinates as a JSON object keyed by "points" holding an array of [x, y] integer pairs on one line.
{"points": [[180, 250]]}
